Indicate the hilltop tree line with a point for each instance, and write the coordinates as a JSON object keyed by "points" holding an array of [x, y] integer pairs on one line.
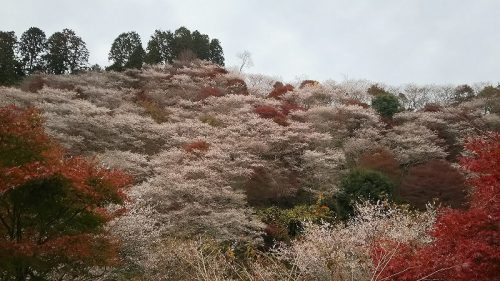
{"points": [[162, 48], [64, 52]]}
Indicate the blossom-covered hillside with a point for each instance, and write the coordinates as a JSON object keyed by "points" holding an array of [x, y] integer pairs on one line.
{"points": [[240, 177]]}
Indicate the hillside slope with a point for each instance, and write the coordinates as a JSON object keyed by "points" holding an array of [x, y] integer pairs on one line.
{"points": [[207, 151]]}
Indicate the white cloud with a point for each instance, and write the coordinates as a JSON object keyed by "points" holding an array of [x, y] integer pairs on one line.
{"points": [[391, 41]]}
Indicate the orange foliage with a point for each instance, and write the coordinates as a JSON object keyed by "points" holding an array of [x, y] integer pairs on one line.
{"points": [[55, 204]]}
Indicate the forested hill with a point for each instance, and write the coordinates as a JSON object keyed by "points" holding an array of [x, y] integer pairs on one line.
{"points": [[238, 176], [64, 52]]}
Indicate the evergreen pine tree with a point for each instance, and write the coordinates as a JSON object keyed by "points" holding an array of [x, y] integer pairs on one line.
{"points": [[216, 53]]}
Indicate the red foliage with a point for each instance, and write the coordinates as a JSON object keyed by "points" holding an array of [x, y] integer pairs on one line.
{"points": [[269, 112], [200, 145], [22, 128], [383, 161], [237, 86], [287, 107], [466, 245], [279, 90], [55, 204], [434, 179], [486, 164], [206, 92], [266, 111]]}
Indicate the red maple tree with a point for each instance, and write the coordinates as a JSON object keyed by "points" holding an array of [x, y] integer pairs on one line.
{"points": [[52, 208], [279, 89], [269, 112], [466, 242]]}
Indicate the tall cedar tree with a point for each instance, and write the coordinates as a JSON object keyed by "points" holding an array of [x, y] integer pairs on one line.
{"points": [[10, 68], [32, 48], [465, 245], [52, 208], [126, 52], [216, 53], [201, 45], [182, 41], [165, 46]]}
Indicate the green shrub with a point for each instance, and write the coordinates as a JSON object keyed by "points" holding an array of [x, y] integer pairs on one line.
{"points": [[359, 185], [386, 105]]}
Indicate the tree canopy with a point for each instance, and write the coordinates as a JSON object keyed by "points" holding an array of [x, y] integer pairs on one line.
{"points": [[465, 242], [52, 208], [32, 48], [216, 52], [362, 184], [66, 53], [160, 48], [126, 51], [10, 69], [165, 46], [386, 105]]}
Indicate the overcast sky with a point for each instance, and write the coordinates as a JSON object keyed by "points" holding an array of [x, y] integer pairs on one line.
{"points": [[390, 41]]}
